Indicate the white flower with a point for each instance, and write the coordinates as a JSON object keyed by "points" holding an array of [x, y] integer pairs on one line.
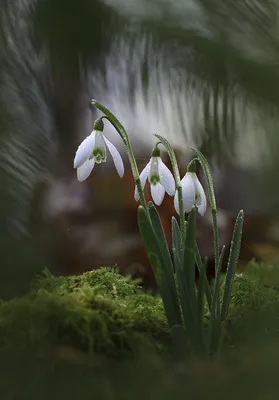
{"points": [[160, 179], [93, 150], [192, 194]]}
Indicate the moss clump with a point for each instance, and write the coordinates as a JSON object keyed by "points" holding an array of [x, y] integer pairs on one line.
{"points": [[102, 313], [97, 312]]}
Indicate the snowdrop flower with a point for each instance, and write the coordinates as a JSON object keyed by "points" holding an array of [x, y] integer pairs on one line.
{"points": [[159, 177], [192, 194], [93, 150]]}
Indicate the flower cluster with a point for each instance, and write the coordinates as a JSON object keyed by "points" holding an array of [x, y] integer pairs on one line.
{"points": [[161, 181], [93, 150]]}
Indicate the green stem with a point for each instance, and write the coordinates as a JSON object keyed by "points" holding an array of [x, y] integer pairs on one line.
{"points": [[215, 238], [212, 202], [123, 134], [181, 213], [177, 179]]}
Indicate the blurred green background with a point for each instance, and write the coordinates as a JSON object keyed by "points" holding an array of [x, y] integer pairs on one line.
{"points": [[200, 72]]}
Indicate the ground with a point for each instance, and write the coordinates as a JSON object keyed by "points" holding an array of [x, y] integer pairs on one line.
{"points": [[100, 334]]}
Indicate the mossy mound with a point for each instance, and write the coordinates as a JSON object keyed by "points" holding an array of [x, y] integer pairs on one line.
{"points": [[97, 312], [48, 336], [101, 312]]}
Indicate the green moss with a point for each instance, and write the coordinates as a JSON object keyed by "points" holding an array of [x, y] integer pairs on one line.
{"points": [[97, 312], [101, 312], [63, 320]]}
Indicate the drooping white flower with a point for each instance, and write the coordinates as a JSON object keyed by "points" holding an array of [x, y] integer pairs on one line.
{"points": [[93, 150], [192, 193], [159, 177]]}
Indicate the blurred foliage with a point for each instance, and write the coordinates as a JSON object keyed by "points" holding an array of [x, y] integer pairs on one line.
{"points": [[226, 52], [222, 53]]}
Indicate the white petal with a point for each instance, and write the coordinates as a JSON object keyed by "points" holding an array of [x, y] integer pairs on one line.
{"points": [[101, 146], [85, 169], [84, 150], [201, 202], [153, 168], [158, 193], [116, 157], [176, 205], [143, 177], [166, 178], [188, 192]]}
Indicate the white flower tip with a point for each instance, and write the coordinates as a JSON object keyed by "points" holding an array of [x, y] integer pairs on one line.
{"points": [[84, 170], [176, 205], [84, 150], [171, 190], [166, 178], [201, 202], [136, 195], [120, 167], [158, 193], [76, 162], [116, 157], [202, 207]]}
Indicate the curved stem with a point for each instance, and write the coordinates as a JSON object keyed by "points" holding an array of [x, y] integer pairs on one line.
{"points": [[212, 201], [123, 134], [177, 179]]}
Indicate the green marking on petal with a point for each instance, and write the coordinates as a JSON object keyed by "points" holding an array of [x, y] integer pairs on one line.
{"points": [[154, 179], [99, 155]]}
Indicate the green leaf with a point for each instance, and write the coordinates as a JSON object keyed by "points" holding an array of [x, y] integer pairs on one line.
{"points": [[176, 243], [232, 264], [216, 289], [200, 306], [189, 254], [162, 242], [214, 330], [152, 246], [201, 265], [185, 269]]}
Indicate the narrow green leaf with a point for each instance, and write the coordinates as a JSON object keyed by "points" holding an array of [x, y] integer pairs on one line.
{"points": [[149, 239], [176, 243], [188, 313], [200, 265], [186, 277], [151, 244], [189, 254], [218, 299], [200, 305], [232, 264], [162, 242], [216, 288], [171, 307], [214, 330], [168, 270]]}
